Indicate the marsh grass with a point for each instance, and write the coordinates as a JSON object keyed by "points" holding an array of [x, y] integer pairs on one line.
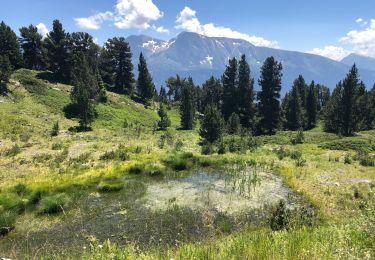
{"points": [[110, 186], [54, 204]]}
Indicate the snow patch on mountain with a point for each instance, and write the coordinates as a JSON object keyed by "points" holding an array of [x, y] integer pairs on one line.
{"points": [[207, 61]]}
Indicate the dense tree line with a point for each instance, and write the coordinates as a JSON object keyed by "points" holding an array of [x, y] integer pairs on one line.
{"points": [[303, 104], [351, 107], [76, 59], [229, 103]]}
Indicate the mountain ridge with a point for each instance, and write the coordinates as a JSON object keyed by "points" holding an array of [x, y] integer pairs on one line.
{"points": [[199, 56]]}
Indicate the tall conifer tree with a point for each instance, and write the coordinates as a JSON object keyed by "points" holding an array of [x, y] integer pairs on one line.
{"points": [[145, 86], [268, 97]]}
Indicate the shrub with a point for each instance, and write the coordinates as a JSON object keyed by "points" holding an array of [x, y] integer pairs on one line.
{"points": [[281, 152], [120, 155], [222, 148], [35, 197], [299, 139], [54, 204], [178, 145], [207, 149], [13, 151], [136, 169], [55, 129], [347, 159], [56, 146], [296, 155], [300, 162], [13, 203], [180, 165], [280, 217], [347, 144], [154, 169], [7, 221], [20, 189], [365, 159], [205, 162], [110, 186]]}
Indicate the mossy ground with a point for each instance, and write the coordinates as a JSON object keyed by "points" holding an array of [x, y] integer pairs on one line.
{"points": [[68, 170]]}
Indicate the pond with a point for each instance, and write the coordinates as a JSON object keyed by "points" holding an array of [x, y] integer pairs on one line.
{"points": [[159, 212]]}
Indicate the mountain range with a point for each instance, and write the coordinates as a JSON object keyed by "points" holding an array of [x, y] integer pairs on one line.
{"points": [[198, 56]]}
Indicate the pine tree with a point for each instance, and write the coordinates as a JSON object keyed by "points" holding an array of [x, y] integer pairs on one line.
{"points": [[350, 86], [245, 97], [212, 91], [212, 124], [9, 46], [333, 116], [302, 89], [83, 81], [121, 57], [102, 93], [57, 46], [311, 106], [5, 72], [229, 80], [294, 111], [84, 43], [163, 95], [106, 67], [234, 124], [145, 86], [187, 106], [164, 122], [31, 43], [268, 97]]}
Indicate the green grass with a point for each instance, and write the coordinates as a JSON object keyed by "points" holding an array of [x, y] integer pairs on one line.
{"points": [[44, 178], [54, 204]]}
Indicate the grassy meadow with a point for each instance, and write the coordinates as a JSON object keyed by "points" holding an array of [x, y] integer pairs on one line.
{"points": [[51, 186]]}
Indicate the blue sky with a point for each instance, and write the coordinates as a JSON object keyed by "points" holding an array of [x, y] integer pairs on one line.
{"points": [[331, 28]]}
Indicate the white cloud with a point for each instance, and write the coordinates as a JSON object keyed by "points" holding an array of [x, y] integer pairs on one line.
{"points": [[187, 20], [42, 29], [93, 22], [136, 14], [356, 41], [127, 14], [332, 52], [160, 29], [363, 41]]}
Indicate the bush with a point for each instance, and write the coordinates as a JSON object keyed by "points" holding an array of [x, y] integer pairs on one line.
{"points": [[296, 155], [110, 186], [178, 145], [281, 152], [7, 221], [13, 151], [207, 149], [54, 204], [20, 189], [365, 159], [120, 155], [299, 139], [222, 148], [280, 217], [35, 197], [56, 146], [55, 129], [154, 169], [136, 169], [346, 144]]}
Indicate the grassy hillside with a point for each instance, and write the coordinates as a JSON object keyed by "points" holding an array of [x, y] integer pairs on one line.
{"points": [[51, 186]]}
